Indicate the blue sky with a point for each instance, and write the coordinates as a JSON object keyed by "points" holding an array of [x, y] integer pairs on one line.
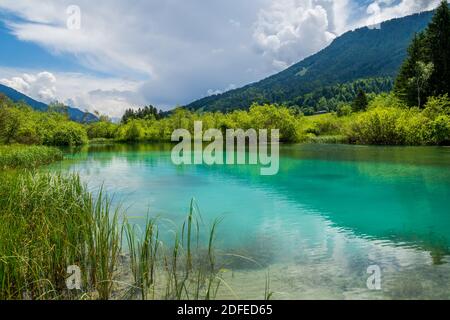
{"points": [[113, 54]]}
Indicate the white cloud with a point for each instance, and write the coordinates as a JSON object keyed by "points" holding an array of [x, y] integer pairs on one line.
{"points": [[290, 30], [111, 95], [235, 23], [173, 52], [40, 86], [382, 10], [212, 92]]}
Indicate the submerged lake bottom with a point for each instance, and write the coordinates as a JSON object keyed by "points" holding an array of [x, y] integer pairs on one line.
{"points": [[319, 227]]}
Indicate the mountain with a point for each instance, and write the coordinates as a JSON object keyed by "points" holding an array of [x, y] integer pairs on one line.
{"points": [[74, 113], [16, 96], [365, 53]]}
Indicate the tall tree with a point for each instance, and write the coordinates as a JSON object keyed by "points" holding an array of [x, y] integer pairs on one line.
{"points": [[423, 73], [360, 103], [438, 49], [428, 52], [404, 87]]}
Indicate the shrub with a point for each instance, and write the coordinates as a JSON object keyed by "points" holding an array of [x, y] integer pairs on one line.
{"points": [[344, 110], [437, 106], [68, 134], [102, 129], [377, 126], [439, 130]]}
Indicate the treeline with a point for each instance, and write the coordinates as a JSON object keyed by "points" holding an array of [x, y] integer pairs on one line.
{"points": [[331, 98], [325, 98], [146, 113], [383, 119]]}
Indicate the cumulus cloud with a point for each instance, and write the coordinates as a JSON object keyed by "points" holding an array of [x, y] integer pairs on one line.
{"points": [[111, 95], [382, 10], [289, 30], [173, 52], [40, 86]]}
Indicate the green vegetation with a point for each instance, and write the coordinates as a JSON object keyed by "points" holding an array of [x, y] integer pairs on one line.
{"points": [[21, 124], [426, 71], [50, 222], [360, 103], [18, 156], [148, 112], [382, 119], [387, 125]]}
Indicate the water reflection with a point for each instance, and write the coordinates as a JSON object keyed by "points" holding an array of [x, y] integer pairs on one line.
{"points": [[332, 210]]}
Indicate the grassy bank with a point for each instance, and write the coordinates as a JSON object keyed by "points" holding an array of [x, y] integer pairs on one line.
{"points": [[19, 156], [51, 222]]}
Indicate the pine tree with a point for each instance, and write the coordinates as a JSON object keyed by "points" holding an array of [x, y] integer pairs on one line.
{"points": [[438, 49], [431, 49], [403, 87], [360, 103]]}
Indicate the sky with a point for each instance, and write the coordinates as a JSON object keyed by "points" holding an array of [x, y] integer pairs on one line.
{"points": [[110, 55]]}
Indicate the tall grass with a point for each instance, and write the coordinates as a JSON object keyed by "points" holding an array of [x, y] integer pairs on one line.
{"points": [[143, 256], [50, 222], [185, 270], [18, 156]]}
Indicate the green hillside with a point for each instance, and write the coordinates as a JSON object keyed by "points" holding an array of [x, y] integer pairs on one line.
{"points": [[367, 57]]}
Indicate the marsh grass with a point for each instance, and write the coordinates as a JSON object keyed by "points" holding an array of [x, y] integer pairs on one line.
{"points": [[185, 270], [20, 156], [50, 222]]}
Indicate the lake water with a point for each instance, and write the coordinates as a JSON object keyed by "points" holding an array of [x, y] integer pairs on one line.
{"points": [[330, 213]]}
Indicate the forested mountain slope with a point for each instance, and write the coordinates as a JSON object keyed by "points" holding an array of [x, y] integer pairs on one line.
{"points": [[369, 56]]}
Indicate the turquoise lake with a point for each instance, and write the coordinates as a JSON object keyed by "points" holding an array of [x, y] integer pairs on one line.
{"points": [[330, 213]]}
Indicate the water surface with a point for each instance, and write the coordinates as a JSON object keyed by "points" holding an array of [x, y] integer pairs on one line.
{"points": [[330, 213]]}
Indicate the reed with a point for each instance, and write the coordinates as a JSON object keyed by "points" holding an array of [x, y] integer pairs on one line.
{"points": [[143, 256], [50, 222], [19, 156], [186, 270]]}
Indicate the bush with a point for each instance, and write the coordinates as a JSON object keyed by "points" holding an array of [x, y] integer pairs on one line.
{"points": [[102, 130], [437, 106], [394, 126], [274, 117], [377, 126], [68, 134], [132, 131], [439, 130], [344, 110]]}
